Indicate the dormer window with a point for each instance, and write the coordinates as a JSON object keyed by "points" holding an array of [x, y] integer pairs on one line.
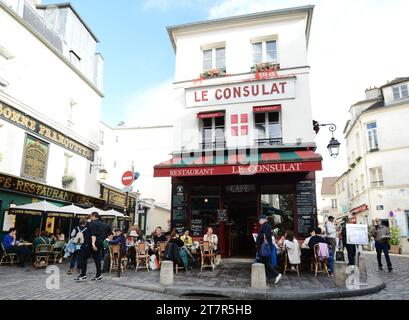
{"points": [[400, 92]]}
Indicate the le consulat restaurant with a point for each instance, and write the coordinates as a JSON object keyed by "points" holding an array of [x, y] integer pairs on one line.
{"points": [[244, 146]]}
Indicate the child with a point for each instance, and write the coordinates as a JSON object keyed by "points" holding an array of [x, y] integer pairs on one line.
{"points": [[105, 267]]}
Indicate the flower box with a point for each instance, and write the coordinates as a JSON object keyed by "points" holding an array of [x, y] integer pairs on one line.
{"points": [[214, 73], [265, 67]]}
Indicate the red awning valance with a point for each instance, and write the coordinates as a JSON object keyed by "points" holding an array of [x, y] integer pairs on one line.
{"points": [[275, 108], [207, 115], [359, 209]]}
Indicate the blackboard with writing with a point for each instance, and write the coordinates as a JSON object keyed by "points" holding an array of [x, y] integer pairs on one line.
{"points": [[197, 227], [306, 206], [178, 214]]}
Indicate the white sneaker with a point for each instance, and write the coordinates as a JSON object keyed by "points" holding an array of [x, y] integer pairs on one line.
{"points": [[278, 278]]}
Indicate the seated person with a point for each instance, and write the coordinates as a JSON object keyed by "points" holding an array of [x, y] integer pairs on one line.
{"points": [[41, 239], [211, 238], [293, 249], [57, 236], [106, 253], [307, 240], [316, 238], [188, 240], [11, 245], [175, 250], [119, 239]]}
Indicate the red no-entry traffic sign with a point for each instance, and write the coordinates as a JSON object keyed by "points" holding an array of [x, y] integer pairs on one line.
{"points": [[127, 178]]}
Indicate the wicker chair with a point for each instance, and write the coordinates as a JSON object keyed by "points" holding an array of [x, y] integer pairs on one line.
{"points": [[8, 258], [318, 264], [114, 253], [287, 262], [142, 254], [161, 246], [206, 252], [42, 255], [58, 251]]}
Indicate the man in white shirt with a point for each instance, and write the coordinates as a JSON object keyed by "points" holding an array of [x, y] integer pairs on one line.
{"points": [[331, 233]]}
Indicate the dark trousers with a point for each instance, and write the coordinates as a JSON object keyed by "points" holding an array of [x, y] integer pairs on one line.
{"points": [[270, 271], [383, 247], [107, 260], [96, 255], [351, 250], [23, 254]]}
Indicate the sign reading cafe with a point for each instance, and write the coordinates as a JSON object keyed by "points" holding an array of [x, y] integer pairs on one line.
{"points": [[277, 89], [32, 125]]}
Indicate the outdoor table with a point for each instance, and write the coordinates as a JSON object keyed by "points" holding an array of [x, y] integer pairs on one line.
{"points": [[25, 244]]}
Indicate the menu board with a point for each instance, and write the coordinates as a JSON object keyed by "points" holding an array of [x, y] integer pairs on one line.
{"points": [[35, 159], [357, 234], [178, 214], [305, 196], [197, 227], [178, 200], [221, 215]]}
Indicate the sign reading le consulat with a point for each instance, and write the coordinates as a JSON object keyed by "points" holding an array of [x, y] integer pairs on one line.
{"points": [[30, 124]]}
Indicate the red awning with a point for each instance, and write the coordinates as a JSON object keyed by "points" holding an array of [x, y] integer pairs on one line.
{"points": [[207, 115], [267, 109], [359, 209], [242, 164]]}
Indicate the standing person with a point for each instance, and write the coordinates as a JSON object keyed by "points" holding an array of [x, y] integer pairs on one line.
{"points": [[265, 235], [382, 235], [351, 248], [78, 239], [331, 233], [97, 233], [11, 245]]}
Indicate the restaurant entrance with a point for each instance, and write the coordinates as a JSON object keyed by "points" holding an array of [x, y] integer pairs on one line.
{"points": [[242, 211]]}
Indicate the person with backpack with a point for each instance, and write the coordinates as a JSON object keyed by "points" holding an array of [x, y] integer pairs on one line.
{"points": [[264, 246], [77, 240]]}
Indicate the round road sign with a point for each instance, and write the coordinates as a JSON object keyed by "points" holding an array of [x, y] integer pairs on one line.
{"points": [[127, 178]]}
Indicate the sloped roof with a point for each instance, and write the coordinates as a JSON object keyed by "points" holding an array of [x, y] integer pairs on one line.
{"points": [[395, 81]]}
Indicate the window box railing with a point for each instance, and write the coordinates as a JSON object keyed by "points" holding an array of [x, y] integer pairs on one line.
{"points": [[213, 145], [265, 67], [213, 73], [269, 142]]}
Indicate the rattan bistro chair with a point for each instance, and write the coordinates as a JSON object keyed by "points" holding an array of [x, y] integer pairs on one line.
{"points": [[161, 247], [287, 262], [42, 255], [114, 253], [206, 252], [58, 251], [8, 258], [319, 265], [142, 254]]}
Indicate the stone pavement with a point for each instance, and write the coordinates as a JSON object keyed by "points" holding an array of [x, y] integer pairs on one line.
{"points": [[397, 282]]}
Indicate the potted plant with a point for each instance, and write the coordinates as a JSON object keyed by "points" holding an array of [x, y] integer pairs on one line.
{"points": [[67, 180], [214, 73], [394, 240], [263, 67]]}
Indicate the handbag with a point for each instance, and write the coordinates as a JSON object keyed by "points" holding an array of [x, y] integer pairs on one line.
{"points": [[339, 256], [265, 250]]}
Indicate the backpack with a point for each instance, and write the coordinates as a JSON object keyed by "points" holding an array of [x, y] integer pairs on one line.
{"points": [[79, 237]]}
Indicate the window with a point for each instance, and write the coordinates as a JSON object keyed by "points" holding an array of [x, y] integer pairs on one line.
{"points": [[116, 139], [352, 190], [376, 177], [67, 158], [343, 185], [357, 186], [214, 59], [358, 144], [101, 138], [362, 182], [265, 51], [213, 133], [239, 124], [400, 92], [334, 203], [267, 127], [372, 136]]}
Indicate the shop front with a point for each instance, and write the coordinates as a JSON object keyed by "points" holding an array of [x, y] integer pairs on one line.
{"points": [[19, 191], [231, 197]]}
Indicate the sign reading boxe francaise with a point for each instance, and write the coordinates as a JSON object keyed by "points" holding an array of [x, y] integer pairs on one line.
{"points": [[32, 125], [251, 91]]}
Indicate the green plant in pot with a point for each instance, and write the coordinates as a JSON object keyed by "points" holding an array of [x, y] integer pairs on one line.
{"points": [[394, 239], [67, 180]]}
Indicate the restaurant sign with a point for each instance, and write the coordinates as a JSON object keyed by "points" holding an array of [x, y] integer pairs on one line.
{"points": [[116, 198], [15, 184], [251, 91], [287, 167], [32, 125], [35, 159]]}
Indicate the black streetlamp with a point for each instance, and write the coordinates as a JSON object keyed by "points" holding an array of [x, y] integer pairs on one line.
{"points": [[334, 144]]}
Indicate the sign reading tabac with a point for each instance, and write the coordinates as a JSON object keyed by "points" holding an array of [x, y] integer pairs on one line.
{"points": [[32, 125], [251, 91]]}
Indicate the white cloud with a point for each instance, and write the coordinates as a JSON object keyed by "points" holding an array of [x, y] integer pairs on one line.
{"points": [[153, 106]]}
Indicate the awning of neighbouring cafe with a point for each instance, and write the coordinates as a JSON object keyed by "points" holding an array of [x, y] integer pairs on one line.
{"points": [[359, 209], [241, 164]]}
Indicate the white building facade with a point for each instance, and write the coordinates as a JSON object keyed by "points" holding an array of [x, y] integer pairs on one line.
{"points": [[329, 201], [50, 97], [377, 182], [246, 134]]}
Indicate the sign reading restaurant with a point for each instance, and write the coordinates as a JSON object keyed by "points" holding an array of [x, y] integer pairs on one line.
{"points": [[32, 125], [251, 91], [240, 170]]}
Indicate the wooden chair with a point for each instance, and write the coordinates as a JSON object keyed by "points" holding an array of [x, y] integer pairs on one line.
{"points": [[319, 265], [114, 253], [161, 246], [8, 258], [58, 251], [142, 254], [42, 255], [287, 262], [206, 252]]}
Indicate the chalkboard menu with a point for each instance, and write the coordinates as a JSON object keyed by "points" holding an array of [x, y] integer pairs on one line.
{"points": [[179, 209], [35, 159], [197, 227], [180, 228], [178, 214], [306, 204]]}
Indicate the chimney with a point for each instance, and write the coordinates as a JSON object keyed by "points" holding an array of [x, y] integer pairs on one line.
{"points": [[372, 93]]}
